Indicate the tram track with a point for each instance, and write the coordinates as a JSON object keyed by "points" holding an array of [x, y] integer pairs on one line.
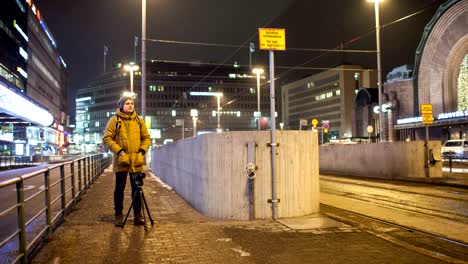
{"points": [[442, 248], [402, 205], [429, 219]]}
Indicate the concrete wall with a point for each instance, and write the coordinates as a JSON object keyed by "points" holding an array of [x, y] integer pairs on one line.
{"points": [[396, 160], [209, 172]]}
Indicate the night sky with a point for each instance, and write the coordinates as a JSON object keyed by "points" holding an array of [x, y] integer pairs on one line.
{"points": [[83, 27]]}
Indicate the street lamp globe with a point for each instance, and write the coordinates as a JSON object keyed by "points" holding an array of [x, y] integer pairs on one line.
{"points": [[131, 68]]}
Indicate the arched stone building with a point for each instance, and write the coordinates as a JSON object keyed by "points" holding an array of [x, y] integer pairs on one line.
{"points": [[440, 78]]}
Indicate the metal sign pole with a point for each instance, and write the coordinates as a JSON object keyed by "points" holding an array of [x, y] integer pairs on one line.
{"points": [[274, 200], [427, 151]]}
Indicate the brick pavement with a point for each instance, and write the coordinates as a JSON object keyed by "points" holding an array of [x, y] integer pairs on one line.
{"points": [[182, 235]]}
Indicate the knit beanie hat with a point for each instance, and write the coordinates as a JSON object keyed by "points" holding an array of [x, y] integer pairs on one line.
{"points": [[122, 101]]}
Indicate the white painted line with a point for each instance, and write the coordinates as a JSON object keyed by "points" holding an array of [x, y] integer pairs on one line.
{"points": [[241, 252], [224, 239], [26, 187]]}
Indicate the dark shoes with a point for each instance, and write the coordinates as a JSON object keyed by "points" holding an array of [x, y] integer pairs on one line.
{"points": [[118, 222], [138, 220]]}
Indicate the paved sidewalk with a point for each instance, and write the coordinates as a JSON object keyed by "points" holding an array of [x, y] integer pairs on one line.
{"points": [[182, 235]]}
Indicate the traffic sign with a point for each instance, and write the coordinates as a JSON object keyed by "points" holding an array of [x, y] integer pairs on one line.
{"points": [[426, 109], [272, 38], [426, 113], [326, 125], [428, 120], [314, 122]]}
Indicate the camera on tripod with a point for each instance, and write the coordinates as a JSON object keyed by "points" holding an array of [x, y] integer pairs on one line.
{"points": [[138, 178]]}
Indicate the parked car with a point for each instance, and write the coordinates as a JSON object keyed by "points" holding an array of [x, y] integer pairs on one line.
{"points": [[455, 148]]}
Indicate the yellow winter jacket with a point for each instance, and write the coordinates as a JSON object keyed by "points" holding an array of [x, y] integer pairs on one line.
{"points": [[127, 133]]}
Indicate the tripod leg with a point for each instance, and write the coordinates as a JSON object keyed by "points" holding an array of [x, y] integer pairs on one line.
{"points": [[142, 208], [147, 209], [129, 209]]}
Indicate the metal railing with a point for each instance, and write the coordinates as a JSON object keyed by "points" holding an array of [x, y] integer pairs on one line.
{"points": [[63, 185], [6, 161], [11, 161]]}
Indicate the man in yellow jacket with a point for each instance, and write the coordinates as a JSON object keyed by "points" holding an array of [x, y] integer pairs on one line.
{"points": [[127, 137]]}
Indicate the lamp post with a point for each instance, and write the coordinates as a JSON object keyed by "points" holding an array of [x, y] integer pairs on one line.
{"points": [[258, 71], [194, 115], [143, 58], [131, 68], [218, 99], [379, 67]]}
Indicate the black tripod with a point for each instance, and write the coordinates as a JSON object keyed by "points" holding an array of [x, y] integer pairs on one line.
{"points": [[138, 178]]}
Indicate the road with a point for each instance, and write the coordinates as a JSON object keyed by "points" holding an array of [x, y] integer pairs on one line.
{"points": [[438, 210]]}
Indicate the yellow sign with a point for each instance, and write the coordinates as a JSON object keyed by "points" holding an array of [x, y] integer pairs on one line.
{"points": [[314, 122], [272, 38], [426, 109], [428, 120]]}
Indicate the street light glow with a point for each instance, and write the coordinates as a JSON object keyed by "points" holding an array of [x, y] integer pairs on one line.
{"points": [[131, 68], [373, 1], [257, 70], [206, 94], [129, 94]]}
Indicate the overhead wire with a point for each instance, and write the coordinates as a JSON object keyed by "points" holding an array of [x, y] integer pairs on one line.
{"points": [[339, 48], [342, 45], [243, 46]]}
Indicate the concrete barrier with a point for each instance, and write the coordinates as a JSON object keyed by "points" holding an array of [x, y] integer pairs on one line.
{"points": [[387, 160], [209, 172]]}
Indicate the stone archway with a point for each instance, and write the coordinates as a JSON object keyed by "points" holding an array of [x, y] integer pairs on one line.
{"points": [[450, 77], [439, 64]]}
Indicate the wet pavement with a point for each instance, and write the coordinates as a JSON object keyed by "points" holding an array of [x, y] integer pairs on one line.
{"points": [[182, 235]]}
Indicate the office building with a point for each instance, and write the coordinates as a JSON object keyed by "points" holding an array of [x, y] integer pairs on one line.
{"points": [[328, 97], [170, 104]]}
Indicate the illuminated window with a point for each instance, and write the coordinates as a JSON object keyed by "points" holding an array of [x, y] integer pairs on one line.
{"points": [[252, 90], [338, 92]]}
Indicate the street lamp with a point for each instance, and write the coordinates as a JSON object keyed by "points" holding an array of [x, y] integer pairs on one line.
{"points": [[379, 67], [143, 58], [194, 115], [258, 71], [218, 110], [131, 68]]}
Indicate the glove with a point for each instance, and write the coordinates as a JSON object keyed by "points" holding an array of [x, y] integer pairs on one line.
{"points": [[123, 159], [140, 160]]}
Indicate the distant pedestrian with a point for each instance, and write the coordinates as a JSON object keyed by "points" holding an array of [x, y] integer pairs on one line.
{"points": [[127, 137]]}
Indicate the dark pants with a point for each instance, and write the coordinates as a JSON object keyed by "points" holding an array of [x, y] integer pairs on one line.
{"points": [[120, 181]]}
